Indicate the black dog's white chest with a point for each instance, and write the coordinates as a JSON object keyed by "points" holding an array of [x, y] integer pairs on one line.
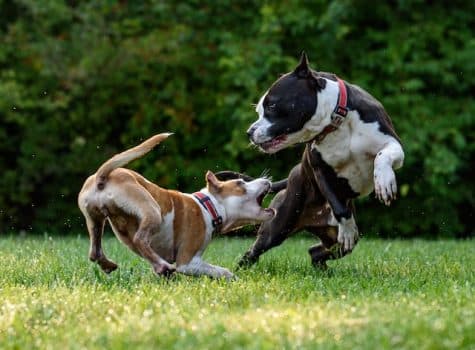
{"points": [[339, 185], [350, 152]]}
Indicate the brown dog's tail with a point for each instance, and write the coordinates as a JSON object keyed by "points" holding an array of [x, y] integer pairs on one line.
{"points": [[123, 158]]}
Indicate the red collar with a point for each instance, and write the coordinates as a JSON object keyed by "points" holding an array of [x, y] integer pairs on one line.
{"points": [[205, 201], [338, 114]]}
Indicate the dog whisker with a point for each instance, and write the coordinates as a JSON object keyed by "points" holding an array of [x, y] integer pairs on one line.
{"points": [[252, 145], [266, 174]]}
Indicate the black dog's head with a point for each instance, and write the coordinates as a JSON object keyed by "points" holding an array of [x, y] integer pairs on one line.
{"points": [[285, 109]]}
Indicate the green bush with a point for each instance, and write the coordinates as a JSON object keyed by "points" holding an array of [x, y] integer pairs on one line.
{"points": [[81, 80]]}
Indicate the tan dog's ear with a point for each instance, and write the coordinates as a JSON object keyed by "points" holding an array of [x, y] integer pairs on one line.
{"points": [[212, 182]]}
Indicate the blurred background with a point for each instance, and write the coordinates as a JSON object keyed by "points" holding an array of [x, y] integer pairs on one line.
{"points": [[82, 80]]}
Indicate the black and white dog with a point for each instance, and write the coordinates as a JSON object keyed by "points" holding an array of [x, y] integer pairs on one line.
{"points": [[351, 149]]}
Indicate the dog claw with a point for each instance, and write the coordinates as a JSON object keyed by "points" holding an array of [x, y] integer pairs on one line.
{"points": [[108, 266], [164, 270], [246, 262], [229, 276]]}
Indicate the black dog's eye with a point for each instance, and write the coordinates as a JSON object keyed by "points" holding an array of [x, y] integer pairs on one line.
{"points": [[270, 108]]}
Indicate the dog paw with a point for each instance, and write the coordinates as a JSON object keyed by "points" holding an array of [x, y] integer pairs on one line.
{"points": [[107, 266], [347, 234], [226, 274], [385, 186], [246, 261], [164, 269], [319, 255]]}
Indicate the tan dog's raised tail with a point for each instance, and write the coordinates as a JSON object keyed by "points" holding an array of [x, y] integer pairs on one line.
{"points": [[165, 226]]}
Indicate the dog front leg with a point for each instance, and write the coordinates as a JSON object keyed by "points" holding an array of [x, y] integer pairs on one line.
{"points": [[347, 229], [289, 204], [341, 207], [389, 158], [198, 267], [347, 233], [328, 248], [142, 240]]}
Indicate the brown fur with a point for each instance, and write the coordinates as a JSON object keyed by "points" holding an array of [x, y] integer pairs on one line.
{"points": [[229, 188], [139, 213]]}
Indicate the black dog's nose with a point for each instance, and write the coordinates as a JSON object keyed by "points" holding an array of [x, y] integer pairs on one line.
{"points": [[250, 131]]}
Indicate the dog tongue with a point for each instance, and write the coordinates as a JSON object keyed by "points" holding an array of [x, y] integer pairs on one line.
{"points": [[276, 140]]}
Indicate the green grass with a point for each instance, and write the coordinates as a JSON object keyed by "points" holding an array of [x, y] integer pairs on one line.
{"points": [[386, 295]]}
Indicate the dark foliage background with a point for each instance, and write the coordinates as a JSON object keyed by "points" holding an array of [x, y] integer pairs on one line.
{"points": [[81, 80]]}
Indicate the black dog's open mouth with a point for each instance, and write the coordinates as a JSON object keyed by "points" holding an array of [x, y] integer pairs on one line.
{"points": [[274, 142]]}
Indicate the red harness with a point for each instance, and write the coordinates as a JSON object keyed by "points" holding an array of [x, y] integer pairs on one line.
{"points": [[339, 113], [205, 201]]}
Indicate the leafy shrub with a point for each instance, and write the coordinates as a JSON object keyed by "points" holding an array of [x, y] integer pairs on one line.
{"points": [[80, 81]]}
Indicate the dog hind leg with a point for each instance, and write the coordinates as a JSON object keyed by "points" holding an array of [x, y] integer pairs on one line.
{"points": [[95, 226], [272, 233], [289, 204], [328, 248]]}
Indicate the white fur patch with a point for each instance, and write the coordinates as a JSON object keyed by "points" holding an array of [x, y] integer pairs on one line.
{"points": [[331, 218], [260, 106], [351, 150], [198, 267], [162, 241], [262, 125], [389, 158]]}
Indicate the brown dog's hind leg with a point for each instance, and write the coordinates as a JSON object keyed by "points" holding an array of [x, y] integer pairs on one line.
{"points": [[273, 232], [328, 249], [95, 227], [289, 204]]}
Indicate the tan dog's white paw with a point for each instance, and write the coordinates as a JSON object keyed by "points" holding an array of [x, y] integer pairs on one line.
{"points": [[228, 275]]}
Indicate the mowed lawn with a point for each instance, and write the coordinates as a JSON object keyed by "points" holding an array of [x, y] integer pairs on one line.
{"points": [[386, 295]]}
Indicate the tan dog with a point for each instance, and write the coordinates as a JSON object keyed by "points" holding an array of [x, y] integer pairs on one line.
{"points": [[165, 226]]}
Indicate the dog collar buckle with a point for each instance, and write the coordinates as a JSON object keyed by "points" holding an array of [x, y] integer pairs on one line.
{"points": [[341, 109], [217, 222], [337, 119]]}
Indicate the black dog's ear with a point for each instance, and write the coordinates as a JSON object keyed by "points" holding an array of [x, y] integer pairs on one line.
{"points": [[303, 69], [225, 175], [318, 81]]}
